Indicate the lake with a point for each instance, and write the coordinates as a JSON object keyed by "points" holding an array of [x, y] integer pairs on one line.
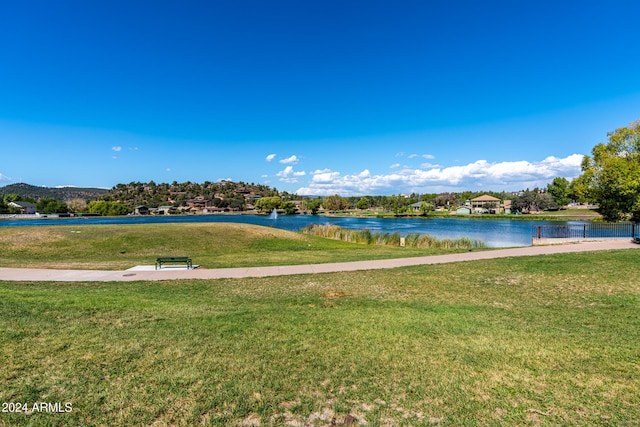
{"points": [[494, 233]]}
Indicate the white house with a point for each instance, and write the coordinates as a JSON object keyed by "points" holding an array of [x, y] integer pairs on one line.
{"points": [[24, 207]]}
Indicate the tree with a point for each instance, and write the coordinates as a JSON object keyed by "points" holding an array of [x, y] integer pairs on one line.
{"points": [[335, 203], [77, 205], [612, 174], [579, 189], [268, 204], [363, 203], [290, 208], [425, 208], [531, 201], [51, 206], [12, 197], [314, 206], [106, 208], [559, 191]]}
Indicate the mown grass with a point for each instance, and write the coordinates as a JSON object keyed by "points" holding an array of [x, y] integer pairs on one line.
{"points": [[211, 245], [551, 340]]}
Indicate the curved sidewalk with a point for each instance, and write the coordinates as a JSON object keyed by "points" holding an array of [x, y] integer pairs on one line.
{"points": [[29, 274]]}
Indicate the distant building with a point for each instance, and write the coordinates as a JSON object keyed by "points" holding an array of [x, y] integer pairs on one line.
{"points": [[23, 207], [489, 204], [485, 203], [141, 210], [166, 210]]}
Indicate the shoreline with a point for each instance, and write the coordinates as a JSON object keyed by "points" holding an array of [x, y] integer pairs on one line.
{"points": [[488, 217]]}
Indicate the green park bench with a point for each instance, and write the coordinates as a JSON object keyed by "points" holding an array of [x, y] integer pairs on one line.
{"points": [[173, 260]]}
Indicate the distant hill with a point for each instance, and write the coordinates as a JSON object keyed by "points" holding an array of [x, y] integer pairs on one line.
{"points": [[62, 193]]}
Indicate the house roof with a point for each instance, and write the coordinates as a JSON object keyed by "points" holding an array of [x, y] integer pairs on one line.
{"points": [[485, 198], [23, 204]]}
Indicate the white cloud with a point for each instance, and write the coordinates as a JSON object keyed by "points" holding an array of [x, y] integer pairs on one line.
{"points": [[116, 148], [424, 156], [270, 157], [394, 166], [289, 176], [428, 166], [509, 176], [292, 160]]}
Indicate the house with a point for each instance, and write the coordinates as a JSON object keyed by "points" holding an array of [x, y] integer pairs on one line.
{"points": [[199, 202], [23, 207], [166, 210], [489, 204], [141, 210], [506, 205], [485, 204]]}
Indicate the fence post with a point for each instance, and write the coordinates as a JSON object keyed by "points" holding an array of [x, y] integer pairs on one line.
{"points": [[539, 231], [584, 231]]}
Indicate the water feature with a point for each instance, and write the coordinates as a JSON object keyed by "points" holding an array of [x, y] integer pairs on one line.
{"points": [[495, 233], [273, 214]]}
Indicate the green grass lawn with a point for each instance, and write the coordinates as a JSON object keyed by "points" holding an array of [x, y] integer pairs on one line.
{"points": [[550, 340], [214, 245]]}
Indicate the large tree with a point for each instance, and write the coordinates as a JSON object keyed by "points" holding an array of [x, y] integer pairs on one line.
{"points": [[335, 203], [531, 201], [612, 173], [267, 204], [559, 191]]}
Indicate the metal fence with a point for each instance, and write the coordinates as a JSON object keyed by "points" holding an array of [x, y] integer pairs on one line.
{"points": [[587, 231]]}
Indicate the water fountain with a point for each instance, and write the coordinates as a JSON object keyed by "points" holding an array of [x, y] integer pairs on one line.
{"points": [[273, 214]]}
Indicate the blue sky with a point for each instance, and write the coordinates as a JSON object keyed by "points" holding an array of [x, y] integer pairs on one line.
{"points": [[314, 97]]}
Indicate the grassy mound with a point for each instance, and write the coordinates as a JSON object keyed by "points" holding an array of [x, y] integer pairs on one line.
{"points": [[211, 245]]}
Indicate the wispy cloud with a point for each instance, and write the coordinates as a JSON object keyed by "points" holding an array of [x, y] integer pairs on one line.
{"points": [[4, 178], [292, 160], [116, 148], [270, 157], [289, 176], [424, 156], [509, 176]]}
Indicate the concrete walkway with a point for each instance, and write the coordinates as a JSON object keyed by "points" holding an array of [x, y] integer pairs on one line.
{"points": [[29, 274]]}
